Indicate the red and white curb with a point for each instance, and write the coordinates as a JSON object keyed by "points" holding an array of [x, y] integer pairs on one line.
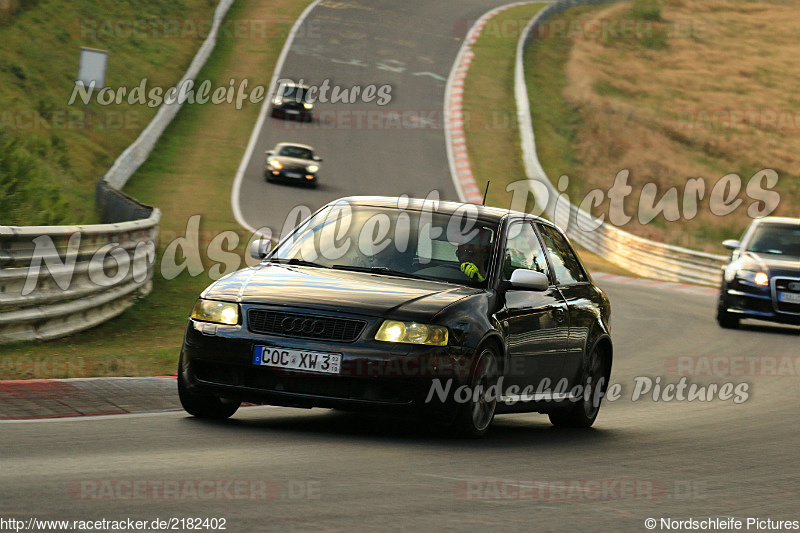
{"points": [[36, 399], [455, 140]]}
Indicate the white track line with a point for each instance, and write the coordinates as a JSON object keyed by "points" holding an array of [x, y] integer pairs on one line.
{"points": [[455, 141], [251, 145]]}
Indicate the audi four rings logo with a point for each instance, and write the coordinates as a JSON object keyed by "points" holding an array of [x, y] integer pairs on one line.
{"points": [[794, 286], [305, 326]]}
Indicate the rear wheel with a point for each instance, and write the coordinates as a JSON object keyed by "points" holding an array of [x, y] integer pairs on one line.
{"points": [[583, 413], [475, 416], [203, 405]]}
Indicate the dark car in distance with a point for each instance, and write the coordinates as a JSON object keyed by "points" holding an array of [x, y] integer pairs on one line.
{"points": [[294, 163], [291, 100], [450, 311], [762, 279]]}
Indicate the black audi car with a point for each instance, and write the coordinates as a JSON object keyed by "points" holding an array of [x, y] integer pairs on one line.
{"points": [[291, 100], [446, 310], [762, 279]]}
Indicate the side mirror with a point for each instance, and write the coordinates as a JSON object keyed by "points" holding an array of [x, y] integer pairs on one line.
{"points": [[317, 158], [522, 278], [731, 244], [260, 248]]}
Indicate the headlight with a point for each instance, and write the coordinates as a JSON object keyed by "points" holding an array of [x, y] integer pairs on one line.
{"points": [[219, 312], [277, 101], [411, 333], [308, 105], [756, 278], [312, 168], [274, 163]]}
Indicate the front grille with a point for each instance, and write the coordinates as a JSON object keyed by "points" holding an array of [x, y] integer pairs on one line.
{"points": [[782, 285], [304, 326]]}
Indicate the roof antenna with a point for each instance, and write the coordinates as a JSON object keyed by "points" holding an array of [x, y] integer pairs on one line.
{"points": [[486, 192]]}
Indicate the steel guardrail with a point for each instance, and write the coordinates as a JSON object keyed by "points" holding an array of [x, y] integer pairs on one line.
{"points": [[637, 254], [79, 282]]}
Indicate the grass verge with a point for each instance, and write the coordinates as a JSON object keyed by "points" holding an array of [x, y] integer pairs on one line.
{"points": [[691, 92], [492, 134], [51, 154]]}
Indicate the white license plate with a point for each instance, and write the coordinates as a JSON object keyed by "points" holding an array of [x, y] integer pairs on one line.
{"points": [[289, 358], [789, 297], [292, 112], [292, 175]]}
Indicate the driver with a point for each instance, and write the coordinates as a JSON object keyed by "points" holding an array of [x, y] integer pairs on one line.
{"points": [[474, 255]]}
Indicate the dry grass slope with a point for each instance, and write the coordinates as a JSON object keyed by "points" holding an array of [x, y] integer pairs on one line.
{"points": [[703, 90]]}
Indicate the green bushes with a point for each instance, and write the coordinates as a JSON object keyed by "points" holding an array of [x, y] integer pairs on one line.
{"points": [[646, 10]]}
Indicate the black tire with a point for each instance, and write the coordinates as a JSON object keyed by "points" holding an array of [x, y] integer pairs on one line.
{"points": [[202, 405], [583, 413], [474, 417]]}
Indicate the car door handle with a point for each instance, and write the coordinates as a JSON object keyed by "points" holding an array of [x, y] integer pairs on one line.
{"points": [[560, 314]]}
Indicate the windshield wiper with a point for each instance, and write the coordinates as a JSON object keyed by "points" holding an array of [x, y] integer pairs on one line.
{"points": [[296, 261], [378, 270]]}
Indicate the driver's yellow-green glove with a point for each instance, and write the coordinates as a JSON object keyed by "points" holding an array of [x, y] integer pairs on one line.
{"points": [[471, 270]]}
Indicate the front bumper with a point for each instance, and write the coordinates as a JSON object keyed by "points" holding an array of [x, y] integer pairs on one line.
{"points": [[749, 301], [297, 112], [292, 175], [374, 375]]}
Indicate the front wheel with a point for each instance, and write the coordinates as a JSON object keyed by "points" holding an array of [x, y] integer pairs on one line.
{"points": [[203, 405], [476, 414], [726, 319], [583, 413]]}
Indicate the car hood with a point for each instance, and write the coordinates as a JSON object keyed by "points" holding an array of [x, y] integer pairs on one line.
{"points": [[328, 289], [774, 265], [293, 161]]}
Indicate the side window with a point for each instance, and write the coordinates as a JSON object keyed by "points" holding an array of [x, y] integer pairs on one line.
{"points": [[523, 250], [565, 263]]}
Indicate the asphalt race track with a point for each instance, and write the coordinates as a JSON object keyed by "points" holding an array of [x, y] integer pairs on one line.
{"points": [[367, 148], [330, 471], [279, 469]]}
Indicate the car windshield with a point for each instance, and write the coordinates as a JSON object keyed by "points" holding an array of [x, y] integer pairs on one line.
{"points": [[777, 239], [296, 152], [293, 93], [397, 242]]}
